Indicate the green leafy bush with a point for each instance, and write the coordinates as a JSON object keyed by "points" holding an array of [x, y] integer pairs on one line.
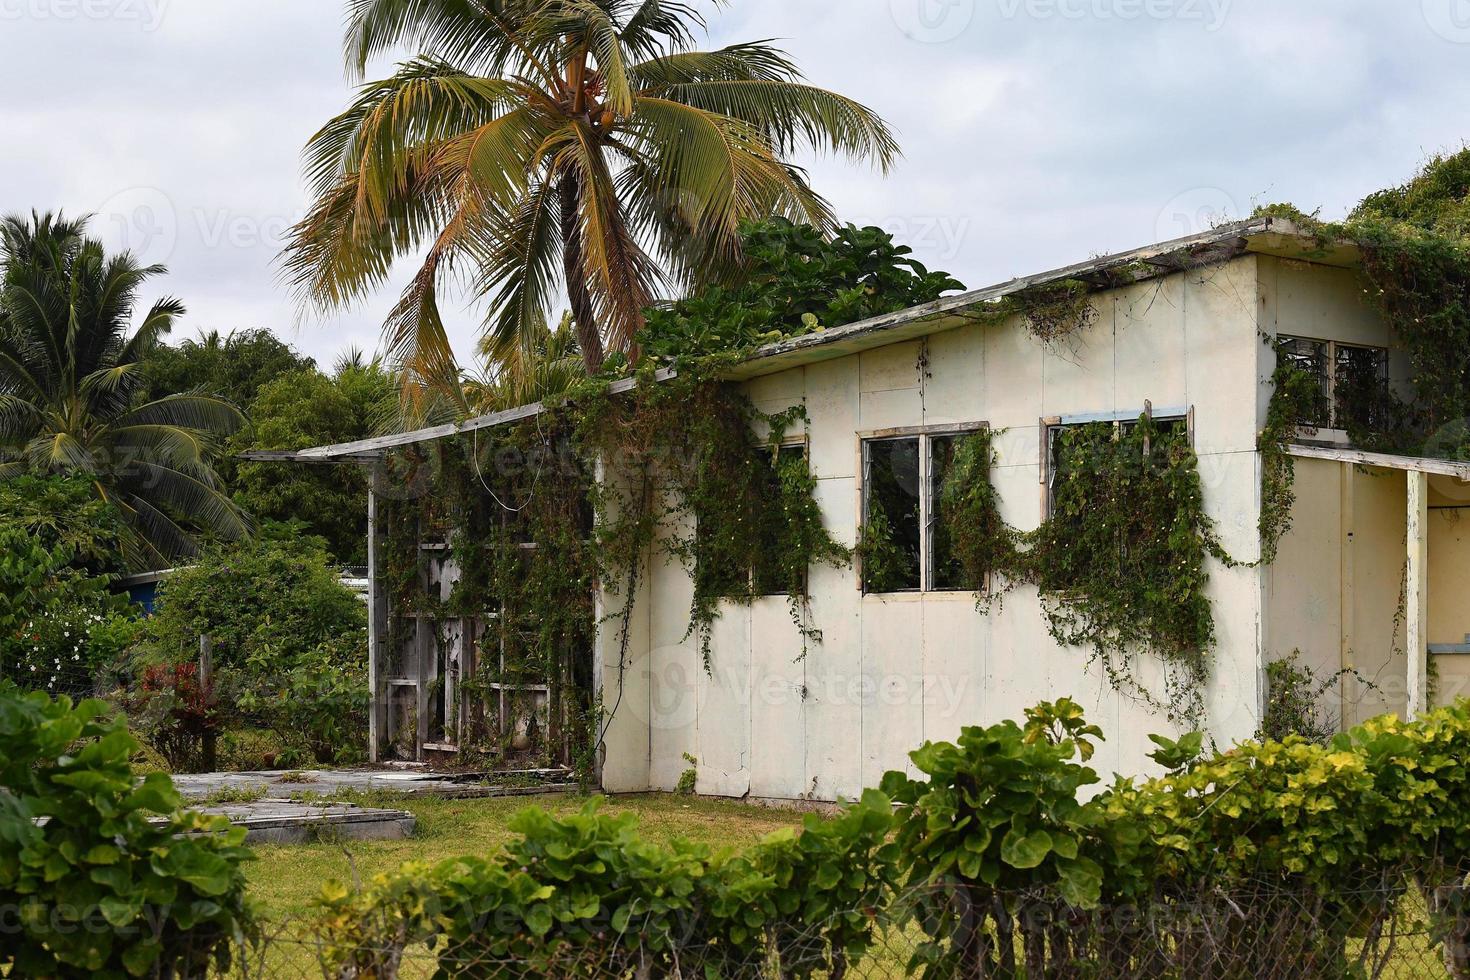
{"points": [[289, 648], [997, 816], [59, 627], [101, 889], [586, 894], [794, 282]]}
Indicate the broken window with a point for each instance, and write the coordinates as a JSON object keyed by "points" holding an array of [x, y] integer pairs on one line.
{"points": [[1060, 464], [905, 545], [769, 579], [891, 541], [1353, 379], [1360, 388]]}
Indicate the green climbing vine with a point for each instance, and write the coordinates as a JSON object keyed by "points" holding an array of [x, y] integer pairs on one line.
{"points": [[1297, 399], [746, 522], [688, 473], [987, 554], [1120, 561]]}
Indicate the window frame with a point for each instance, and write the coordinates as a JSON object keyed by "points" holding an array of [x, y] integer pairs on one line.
{"points": [[1051, 425], [1330, 355], [924, 434]]}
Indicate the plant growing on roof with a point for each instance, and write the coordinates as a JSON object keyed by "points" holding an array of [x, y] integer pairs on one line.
{"points": [[555, 138], [793, 281]]}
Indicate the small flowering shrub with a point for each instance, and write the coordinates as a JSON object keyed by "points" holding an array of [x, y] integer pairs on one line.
{"points": [[58, 626]]}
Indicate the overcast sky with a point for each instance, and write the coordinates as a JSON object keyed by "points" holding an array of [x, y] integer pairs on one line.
{"points": [[1036, 132]]}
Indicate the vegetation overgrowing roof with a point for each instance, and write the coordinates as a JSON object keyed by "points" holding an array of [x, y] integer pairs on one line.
{"points": [[1266, 234]]}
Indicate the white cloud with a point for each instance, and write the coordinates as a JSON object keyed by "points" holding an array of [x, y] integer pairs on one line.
{"points": [[1036, 132]]}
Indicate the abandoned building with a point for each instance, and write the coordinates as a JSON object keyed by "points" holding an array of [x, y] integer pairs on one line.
{"points": [[1370, 577]]}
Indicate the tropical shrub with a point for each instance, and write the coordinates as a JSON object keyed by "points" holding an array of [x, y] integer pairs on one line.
{"points": [[59, 627], [288, 652], [109, 878], [830, 882], [1286, 851], [586, 894], [997, 816], [795, 281]]}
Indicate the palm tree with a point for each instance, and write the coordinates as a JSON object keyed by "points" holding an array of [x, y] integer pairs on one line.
{"points": [[70, 378], [585, 141], [543, 363]]}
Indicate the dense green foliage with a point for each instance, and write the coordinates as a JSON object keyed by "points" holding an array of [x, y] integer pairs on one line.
{"points": [[91, 887], [65, 513], [998, 814], [72, 383], [587, 895], [59, 626], [978, 541], [794, 281], [1001, 859], [233, 366], [304, 408], [1122, 557], [289, 651]]}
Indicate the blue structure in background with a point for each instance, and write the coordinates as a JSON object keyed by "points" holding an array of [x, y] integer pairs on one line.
{"points": [[142, 589]]}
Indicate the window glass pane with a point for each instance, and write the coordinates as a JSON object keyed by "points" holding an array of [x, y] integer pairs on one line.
{"points": [[1361, 388], [945, 571], [769, 578], [1311, 357], [890, 542]]}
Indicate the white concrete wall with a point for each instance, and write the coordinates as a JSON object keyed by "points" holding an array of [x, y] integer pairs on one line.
{"points": [[894, 671], [1333, 595]]}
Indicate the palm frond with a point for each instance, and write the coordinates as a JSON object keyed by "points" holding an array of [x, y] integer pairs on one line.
{"points": [[795, 116], [190, 410], [491, 37], [658, 25], [158, 324], [187, 493], [749, 61], [519, 270]]}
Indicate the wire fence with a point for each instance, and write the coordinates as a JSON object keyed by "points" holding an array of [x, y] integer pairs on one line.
{"points": [[1253, 931]]}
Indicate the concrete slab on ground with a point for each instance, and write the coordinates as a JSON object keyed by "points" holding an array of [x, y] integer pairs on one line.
{"points": [[270, 821], [326, 782]]}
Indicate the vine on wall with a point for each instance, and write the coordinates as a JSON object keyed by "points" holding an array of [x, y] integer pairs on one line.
{"points": [[533, 533], [684, 454], [1296, 398], [1120, 561]]}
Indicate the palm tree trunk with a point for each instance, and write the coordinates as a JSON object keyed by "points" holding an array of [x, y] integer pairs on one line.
{"points": [[574, 270]]}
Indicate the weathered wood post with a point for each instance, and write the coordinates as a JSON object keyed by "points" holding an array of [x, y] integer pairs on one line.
{"points": [[209, 763]]}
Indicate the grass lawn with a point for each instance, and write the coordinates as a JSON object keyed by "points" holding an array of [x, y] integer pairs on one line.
{"points": [[284, 880]]}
